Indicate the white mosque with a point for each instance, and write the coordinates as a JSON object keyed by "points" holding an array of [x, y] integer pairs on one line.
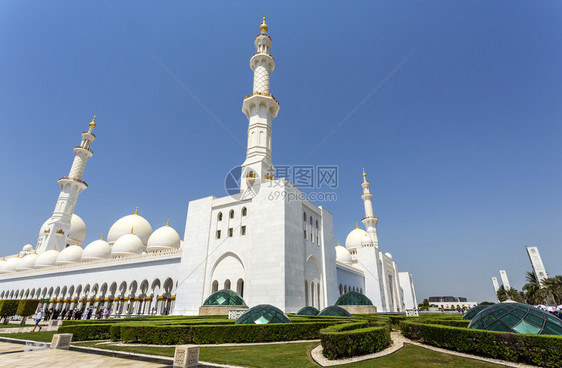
{"points": [[270, 251]]}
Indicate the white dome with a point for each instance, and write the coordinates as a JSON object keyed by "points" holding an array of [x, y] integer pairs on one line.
{"points": [[28, 248], [366, 240], [77, 231], [126, 245], [46, 259], [27, 262], [98, 249], [343, 255], [388, 255], [123, 226], [70, 254], [10, 264], [164, 238], [355, 237]]}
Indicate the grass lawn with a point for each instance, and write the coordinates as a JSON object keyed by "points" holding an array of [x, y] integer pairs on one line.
{"points": [[296, 355], [45, 336]]}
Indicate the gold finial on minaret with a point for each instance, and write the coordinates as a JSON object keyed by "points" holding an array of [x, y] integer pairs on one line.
{"points": [[364, 175], [35, 251], [101, 237], [55, 246], [76, 243], [263, 26], [137, 210], [132, 230], [168, 222], [357, 225], [339, 244], [93, 122], [18, 254]]}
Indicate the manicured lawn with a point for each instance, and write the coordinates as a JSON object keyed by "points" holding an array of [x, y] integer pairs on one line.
{"points": [[296, 355], [45, 336]]}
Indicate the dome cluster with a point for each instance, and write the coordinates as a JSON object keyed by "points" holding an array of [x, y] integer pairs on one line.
{"points": [[130, 235]]}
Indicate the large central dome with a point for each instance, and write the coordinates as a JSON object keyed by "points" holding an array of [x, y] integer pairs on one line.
{"points": [[138, 224], [355, 237]]}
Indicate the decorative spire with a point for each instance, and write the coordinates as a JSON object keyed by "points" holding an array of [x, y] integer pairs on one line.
{"points": [[76, 243], [137, 210], [18, 254], [357, 225], [263, 26], [55, 246], [168, 222], [101, 237], [132, 230], [364, 175], [4, 258], [35, 251], [339, 244], [93, 122]]}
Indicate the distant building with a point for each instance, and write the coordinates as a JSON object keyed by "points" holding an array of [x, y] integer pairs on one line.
{"points": [[450, 302], [536, 262], [505, 280]]}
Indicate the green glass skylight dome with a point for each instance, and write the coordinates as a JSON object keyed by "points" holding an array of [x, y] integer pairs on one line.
{"points": [[472, 312], [518, 318], [334, 311], [224, 297], [263, 314], [353, 298], [308, 311]]}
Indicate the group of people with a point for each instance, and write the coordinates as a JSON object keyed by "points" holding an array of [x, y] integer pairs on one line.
{"points": [[68, 314]]}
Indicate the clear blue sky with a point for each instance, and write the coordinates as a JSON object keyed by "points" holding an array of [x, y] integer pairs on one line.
{"points": [[461, 144]]}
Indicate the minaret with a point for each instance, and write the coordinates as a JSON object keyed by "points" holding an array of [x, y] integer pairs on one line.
{"points": [[55, 234], [370, 221], [260, 108]]}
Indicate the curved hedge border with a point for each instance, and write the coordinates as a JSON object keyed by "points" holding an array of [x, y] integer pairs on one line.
{"points": [[542, 350], [351, 339], [90, 331]]}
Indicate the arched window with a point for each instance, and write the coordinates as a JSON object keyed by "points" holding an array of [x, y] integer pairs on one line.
{"points": [[219, 216], [312, 299], [304, 218], [240, 287], [341, 290], [244, 211], [231, 214], [227, 284], [345, 289], [318, 294], [361, 291], [215, 287]]}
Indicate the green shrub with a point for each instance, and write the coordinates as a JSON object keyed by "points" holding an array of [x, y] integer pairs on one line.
{"points": [[8, 307], [26, 307], [541, 350], [90, 331], [352, 339]]}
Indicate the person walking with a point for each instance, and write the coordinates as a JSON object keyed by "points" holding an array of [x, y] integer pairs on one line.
{"points": [[38, 318]]}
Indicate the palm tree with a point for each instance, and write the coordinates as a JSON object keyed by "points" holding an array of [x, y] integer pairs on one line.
{"points": [[553, 288], [504, 294], [534, 293]]}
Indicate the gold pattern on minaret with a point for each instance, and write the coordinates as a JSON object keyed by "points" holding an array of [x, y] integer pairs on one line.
{"points": [[263, 26], [93, 122]]}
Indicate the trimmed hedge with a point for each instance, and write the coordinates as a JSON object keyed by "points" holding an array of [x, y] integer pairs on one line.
{"points": [[352, 339], [91, 331], [541, 350], [215, 334], [27, 307]]}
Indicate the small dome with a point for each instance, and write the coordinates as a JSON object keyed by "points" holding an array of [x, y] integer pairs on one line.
{"points": [[77, 231], [308, 311], [164, 238], [354, 238], [334, 311], [343, 255], [70, 254], [127, 245], [98, 249], [518, 318], [388, 255], [224, 297], [46, 259], [27, 262], [10, 265], [28, 248], [472, 312], [353, 298], [123, 226], [263, 314]]}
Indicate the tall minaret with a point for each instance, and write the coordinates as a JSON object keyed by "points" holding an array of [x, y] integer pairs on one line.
{"points": [[260, 108], [55, 233], [370, 221]]}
